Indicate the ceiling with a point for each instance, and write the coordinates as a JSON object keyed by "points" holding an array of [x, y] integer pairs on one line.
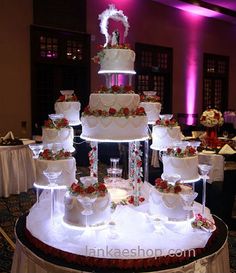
{"points": [[220, 9]]}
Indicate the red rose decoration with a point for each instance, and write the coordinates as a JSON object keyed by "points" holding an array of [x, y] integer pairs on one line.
{"points": [[90, 189], [177, 189], [112, 111], [126, 111], [127, 88], [178, 150], [158, 122], [115, 88]]}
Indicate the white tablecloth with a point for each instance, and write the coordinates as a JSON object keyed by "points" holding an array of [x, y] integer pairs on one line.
{"points": [[17, 171]]}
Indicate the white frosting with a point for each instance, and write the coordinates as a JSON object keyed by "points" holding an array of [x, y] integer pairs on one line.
{"points": [[114, 128], [117, 59], [168, 206], [65, 136], [66, 166], [70, 110], [152, 110], [116, 101], [164, 137], [73, 208], [186, 167]]}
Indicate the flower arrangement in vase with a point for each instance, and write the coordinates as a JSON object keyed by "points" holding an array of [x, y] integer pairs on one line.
{"points": [[211, 119]]}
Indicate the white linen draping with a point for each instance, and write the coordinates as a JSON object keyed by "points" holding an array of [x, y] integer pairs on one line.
{"points": [[25, 261], [17, 170]]}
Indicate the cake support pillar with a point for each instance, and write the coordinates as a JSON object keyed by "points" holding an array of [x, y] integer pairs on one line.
{"points": [[93, 159], [135, 170], [146, 153]]}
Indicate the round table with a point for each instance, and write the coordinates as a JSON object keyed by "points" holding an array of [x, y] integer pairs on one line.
{"points": [[17, 169], [29, 259]]}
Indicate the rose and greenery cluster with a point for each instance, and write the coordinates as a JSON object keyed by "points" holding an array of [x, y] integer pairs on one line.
{"points": [[163, 186], [57, 124], [149, 98], [123, 112], [48, 154], [67, 98], [100, 55], [167, 122], [211, 118], [115, 89], [201, 221], [181, 152], [97, 189]]}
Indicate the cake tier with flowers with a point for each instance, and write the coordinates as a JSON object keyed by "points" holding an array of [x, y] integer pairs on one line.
{"points": [[116, 97], [181, 161], [167, 201], [60, 161], [113, 125], [151, 103], [165, 133], [115, 59], [91, 194], [68, 105], [58, 131]]}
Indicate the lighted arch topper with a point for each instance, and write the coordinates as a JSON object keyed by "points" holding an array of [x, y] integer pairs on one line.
{"points": [[117, 15], [115, 57]]}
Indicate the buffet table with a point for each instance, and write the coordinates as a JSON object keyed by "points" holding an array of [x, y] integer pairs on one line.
{"points": [[46, 247], [17, 169]]}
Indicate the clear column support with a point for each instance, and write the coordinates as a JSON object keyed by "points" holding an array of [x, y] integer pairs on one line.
{"points": [[146, 157], [93, 159]]}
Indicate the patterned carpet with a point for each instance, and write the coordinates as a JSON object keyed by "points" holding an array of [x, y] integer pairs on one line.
{"points": [[16, 205]]}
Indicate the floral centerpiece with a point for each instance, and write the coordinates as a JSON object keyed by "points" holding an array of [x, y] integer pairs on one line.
{"points": [[181, 152], [211, 118], [167, 122], [115, 89], [123, 112], [57, 124], [96, 189], [67, 98], [165, 187], [48, 154]]}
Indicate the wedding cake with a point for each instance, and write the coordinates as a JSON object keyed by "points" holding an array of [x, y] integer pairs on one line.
{"points": [[167, 201], [151, 103], [87, 194], [165, 133], [113, 114], [183, 162], [60, 161], [58, 131], [68, 105]]}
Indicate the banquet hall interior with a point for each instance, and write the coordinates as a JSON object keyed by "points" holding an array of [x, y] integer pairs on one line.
{"points": [[184, 51]]}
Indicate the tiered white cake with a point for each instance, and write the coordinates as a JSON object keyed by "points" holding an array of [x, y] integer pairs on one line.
{"points": [[115, 60], [165, 133], [60, 161], [167, 201], [87, 194], [114, 114], [183, 162], [58, 131], [150, 102], [68, 105]]}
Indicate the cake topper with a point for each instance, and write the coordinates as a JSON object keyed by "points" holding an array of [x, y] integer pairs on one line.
{"points": [[117, 15]]}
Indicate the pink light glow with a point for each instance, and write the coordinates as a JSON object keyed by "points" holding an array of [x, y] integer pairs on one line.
{"points": [[192, 60], [199, 10]]}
